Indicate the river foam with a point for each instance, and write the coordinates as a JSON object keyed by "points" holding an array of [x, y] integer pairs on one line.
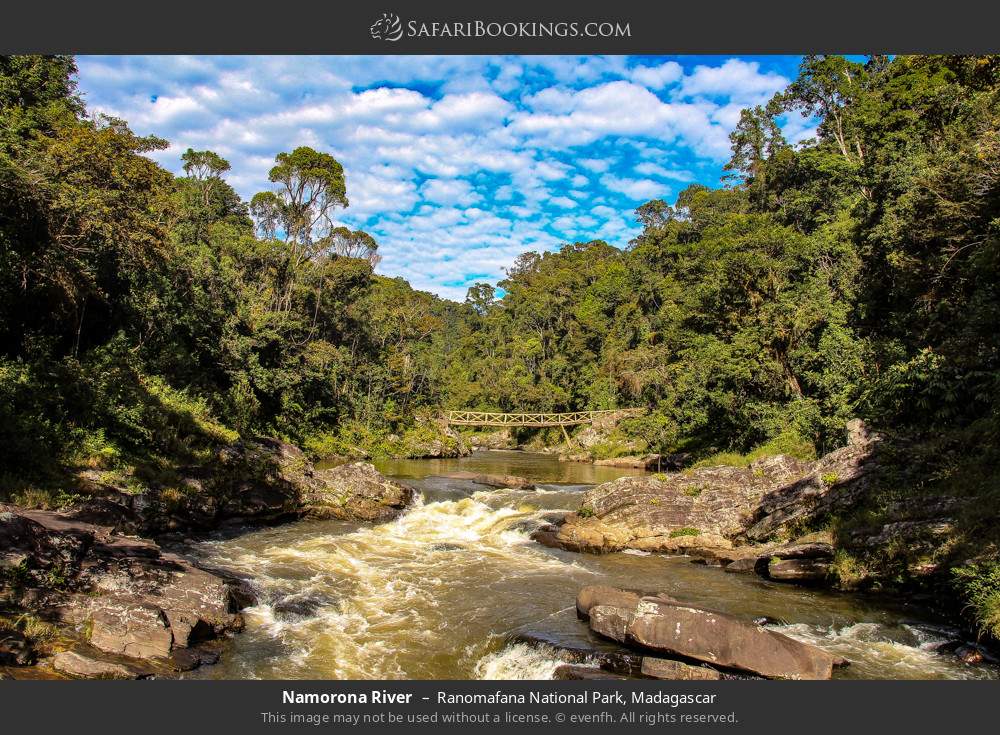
{"points": [[441, 592]]}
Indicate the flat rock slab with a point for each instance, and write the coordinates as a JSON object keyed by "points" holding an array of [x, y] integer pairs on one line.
{"points": [[716, 638], [88, 667]]}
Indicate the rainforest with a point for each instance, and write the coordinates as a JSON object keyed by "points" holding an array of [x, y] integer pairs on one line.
{"points": [[149, 320]]}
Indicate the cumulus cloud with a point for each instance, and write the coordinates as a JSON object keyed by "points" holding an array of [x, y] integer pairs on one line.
{"points": [[635, 189], [455, 164]]}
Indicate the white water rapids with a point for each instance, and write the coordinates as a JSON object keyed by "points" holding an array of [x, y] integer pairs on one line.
{"points": [[439, 592]]}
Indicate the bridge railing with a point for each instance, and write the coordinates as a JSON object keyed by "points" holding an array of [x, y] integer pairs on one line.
{"points": [[572, 418]]}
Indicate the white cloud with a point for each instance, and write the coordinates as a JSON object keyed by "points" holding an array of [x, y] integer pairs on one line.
{"points": [[635, 189], [456, 164], [654, 169], [736, 79], [453, 191], [658, 77]]}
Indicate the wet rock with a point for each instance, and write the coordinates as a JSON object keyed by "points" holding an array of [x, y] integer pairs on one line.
{"points": [[798, 570], [574, 672], [500, 481], [88, 667], [356, 491], [718, 639], [662, 668], [970, 654], [15, 649], [188, 659], [593, 595], [297, 606], [241, 592], [618, 662]]}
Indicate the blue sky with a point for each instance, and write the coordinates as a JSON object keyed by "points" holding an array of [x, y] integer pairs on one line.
{"points": [[456, 164]]}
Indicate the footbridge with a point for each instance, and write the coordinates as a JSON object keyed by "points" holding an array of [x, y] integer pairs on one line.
{"points": [[486, 418]]}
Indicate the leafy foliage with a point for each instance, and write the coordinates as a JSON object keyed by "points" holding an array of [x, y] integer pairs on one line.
{"points": [[146, 318]]}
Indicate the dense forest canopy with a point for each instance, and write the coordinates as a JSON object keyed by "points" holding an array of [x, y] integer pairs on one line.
{"points": [[145, 317], [852, 275]]}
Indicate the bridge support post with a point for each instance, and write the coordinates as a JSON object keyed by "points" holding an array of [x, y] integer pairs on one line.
{"points": [[569, 442]]}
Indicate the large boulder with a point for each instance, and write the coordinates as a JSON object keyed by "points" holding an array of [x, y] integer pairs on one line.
{"points": [[715, 507], [677, 629], [356, 491]]}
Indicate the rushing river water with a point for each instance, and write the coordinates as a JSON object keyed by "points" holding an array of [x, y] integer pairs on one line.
{"points": [[439, 592]]}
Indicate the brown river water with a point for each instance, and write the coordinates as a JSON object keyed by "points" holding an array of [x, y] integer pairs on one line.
{"points": [[439, 592]]}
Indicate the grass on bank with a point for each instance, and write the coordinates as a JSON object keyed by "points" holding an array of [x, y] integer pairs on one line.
{"points": [[789, 443]]}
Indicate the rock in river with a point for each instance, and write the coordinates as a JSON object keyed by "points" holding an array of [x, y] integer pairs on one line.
{"points": [[501, 481], [678, 629], [356, 491]]}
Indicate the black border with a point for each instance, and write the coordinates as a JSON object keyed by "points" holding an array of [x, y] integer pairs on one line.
{"points": [[657, 26]]}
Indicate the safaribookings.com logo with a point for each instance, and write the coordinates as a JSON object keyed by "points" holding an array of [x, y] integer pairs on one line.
{"points": [[387, 28], [390, 28]]}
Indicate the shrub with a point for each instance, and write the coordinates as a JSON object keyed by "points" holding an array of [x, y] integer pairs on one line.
{"points": [[979, 586], [678, 532]]}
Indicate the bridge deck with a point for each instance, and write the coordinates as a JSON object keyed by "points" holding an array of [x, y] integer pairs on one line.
{"points": [[486, 418]]}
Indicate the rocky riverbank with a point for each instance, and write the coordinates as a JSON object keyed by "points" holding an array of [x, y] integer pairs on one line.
{"points": [[790, 521], [715, 507], [84, 596]]}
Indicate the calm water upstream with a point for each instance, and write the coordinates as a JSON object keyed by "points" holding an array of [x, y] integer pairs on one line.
{"points": [[437, 593]]}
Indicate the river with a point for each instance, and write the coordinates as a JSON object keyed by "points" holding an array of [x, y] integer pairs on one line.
{"points": [[439, 592]]}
